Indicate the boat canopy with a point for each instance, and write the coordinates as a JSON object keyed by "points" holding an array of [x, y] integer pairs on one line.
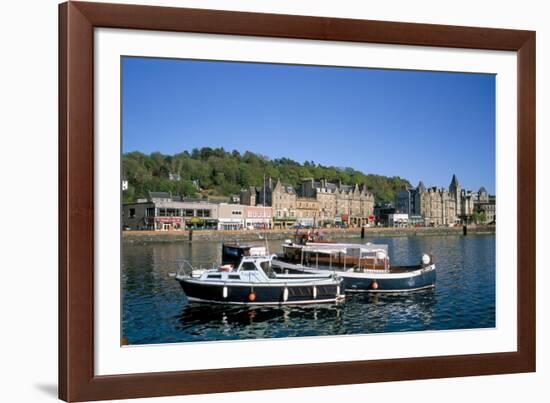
{"points": [[343, 248]]}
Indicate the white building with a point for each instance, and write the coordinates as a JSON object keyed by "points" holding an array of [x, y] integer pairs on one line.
{"points": [[398, 220], [160, 212]]}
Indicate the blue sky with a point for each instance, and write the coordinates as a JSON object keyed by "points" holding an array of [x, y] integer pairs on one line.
{"points": [[417, 125]]}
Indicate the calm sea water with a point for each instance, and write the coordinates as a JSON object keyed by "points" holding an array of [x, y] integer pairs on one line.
{"points": [[155, 309]]}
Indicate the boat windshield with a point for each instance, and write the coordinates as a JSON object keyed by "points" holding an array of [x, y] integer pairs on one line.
{"points": [[248, 266]]}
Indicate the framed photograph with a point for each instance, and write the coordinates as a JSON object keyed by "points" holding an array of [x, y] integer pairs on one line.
{"points": [[256, 201]]}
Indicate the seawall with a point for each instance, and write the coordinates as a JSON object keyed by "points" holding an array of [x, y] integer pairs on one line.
{"points": [[254, 235]]}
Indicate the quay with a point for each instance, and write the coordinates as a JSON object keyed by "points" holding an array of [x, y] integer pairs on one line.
{"points": [[274, 234], [322, 204]]}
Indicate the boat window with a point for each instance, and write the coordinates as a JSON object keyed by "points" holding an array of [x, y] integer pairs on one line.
{"points": [[214, 276], [265, 266], [248, 266], [234, 277]]}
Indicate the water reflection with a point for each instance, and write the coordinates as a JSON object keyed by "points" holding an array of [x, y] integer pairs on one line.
{"points": [[235, 322], [394, 312], [155, 309]]}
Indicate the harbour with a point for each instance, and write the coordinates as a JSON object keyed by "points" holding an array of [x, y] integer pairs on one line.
{"points": [[155, 310], [363, 229], [137, 237]]}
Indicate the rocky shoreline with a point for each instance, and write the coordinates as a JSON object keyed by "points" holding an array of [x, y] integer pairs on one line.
{"points": [[254, 235]]}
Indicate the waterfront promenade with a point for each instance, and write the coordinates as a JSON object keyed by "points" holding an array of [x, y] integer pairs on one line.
{"points": [[254, 235]]}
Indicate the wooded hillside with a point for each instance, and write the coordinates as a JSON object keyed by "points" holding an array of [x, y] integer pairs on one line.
{"points": [[216, 172]]}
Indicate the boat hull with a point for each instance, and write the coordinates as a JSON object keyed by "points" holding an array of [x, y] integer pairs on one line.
{"points": [[258, 294], [400, 280], [366, 282]]}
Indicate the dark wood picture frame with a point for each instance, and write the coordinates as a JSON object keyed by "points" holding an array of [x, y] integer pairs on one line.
{"points": [[77, 21]]}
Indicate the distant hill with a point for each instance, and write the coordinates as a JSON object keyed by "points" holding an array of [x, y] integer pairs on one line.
{"points": [[216, 172]]}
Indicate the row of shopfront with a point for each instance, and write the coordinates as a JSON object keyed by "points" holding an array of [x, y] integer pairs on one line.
{"points": [[167, 215], [184, 215]]}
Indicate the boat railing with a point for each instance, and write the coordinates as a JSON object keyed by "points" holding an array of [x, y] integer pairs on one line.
{"points": [[186, 268]]}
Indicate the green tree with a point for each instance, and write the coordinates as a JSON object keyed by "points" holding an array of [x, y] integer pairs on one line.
{"points": [[219, 172], [479, 217]]}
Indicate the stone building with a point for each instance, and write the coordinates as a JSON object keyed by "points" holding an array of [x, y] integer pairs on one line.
{"points": [[279, 196], [316, 203], [482, 195], [470, 200], [485, 205], [436, 205], [307, 211], [467, 203], [338, 202], [248, 195], [487, 209], [440, 206], [283, 203], [457, 194]]}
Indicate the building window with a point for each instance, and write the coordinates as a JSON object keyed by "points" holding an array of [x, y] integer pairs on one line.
{"points": [[168, 212], [132, 213]]}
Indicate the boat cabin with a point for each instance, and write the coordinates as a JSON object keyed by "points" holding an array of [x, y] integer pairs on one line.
{"points": [[338, 255], [232, 253], [250, 269]]}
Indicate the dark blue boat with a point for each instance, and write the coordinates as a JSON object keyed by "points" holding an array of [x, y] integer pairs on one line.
{"points": [[362, 267], [396, 279], [253, 282]]}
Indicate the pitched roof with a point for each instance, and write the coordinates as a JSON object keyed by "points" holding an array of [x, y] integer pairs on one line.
{"points": [[160, 195], [454, 182]]}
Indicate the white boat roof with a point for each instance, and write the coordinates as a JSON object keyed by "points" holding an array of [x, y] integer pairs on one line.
{"points": [[254, 258], [332, 248]]}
